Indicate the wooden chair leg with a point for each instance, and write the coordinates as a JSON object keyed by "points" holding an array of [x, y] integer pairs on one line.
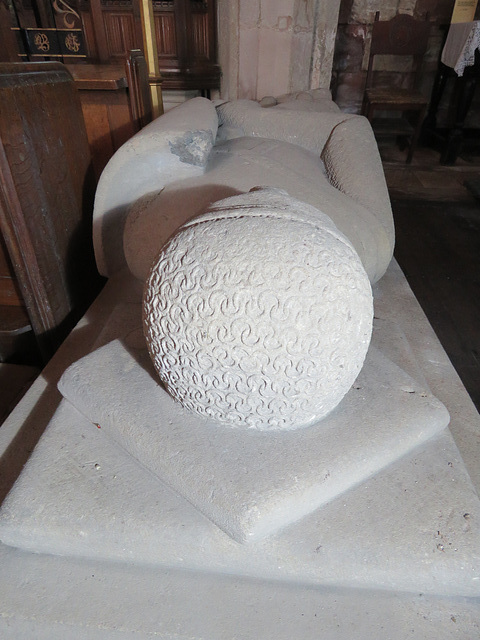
{"points": [[416, 134], [363, 112], [370, 112]]}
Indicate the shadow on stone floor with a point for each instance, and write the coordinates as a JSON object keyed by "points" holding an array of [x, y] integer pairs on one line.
{"points": [[438, 249]]}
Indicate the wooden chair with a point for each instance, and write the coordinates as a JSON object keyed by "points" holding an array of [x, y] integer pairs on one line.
{"points": [[400, 36], [139, 89]]}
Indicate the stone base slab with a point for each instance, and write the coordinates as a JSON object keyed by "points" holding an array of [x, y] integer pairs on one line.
{"points": [[252, 483], [413, 527], [52, 597]]}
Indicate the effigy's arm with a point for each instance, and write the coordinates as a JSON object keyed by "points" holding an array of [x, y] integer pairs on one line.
{"points": [[353, 166], [173, 147]]}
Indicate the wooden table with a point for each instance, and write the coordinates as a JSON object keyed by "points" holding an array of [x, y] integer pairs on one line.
{"points": [[460, 60], [105, 101]]}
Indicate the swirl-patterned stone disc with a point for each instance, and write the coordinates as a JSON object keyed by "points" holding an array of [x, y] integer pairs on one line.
{"points": [[256, 318]]}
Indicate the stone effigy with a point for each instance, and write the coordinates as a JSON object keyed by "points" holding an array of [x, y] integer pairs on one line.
{"points": [[260, 431], [178, 165]]}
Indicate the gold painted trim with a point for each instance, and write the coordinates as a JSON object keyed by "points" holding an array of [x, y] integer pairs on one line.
{"points": [[40, 29], [53, 55], [43, 29], [151, 54]]}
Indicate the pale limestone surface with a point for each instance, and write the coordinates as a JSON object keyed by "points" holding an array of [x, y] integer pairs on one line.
{"points": [[60, 598], [376, 495], [252, 483], [344, 142], [238, 165], [282, 122], [174, 147], [319, 100], [281, 146], [258, 314], [113, 509]]}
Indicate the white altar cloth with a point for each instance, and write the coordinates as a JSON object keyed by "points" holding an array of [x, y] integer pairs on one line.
{"points": [[463, 40]]}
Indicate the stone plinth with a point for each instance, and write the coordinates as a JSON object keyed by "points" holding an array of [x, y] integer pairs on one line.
{"points": [[251, 483], [70, 596]]}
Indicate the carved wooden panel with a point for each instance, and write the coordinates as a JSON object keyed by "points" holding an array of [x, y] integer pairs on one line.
{"points": [[46, 195], [117, 4], [163, 5], [89, 35], [120, 32], [165, 34], [185, 33], [9, 291], [200, 40], [66, 14], [26, 15]]}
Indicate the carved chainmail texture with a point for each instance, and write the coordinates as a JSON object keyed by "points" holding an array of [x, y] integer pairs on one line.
{"points": [[258, 322]]}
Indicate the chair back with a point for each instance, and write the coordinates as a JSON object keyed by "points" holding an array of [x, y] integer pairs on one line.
{"points": [[139, 89], [400, 36]]}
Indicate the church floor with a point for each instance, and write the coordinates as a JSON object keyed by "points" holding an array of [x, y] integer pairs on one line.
{"points": [[437, 221], [15, 380], [425, 178]]}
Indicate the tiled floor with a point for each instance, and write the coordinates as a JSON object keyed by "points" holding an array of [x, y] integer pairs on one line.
{"points": [[425, 178]]}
